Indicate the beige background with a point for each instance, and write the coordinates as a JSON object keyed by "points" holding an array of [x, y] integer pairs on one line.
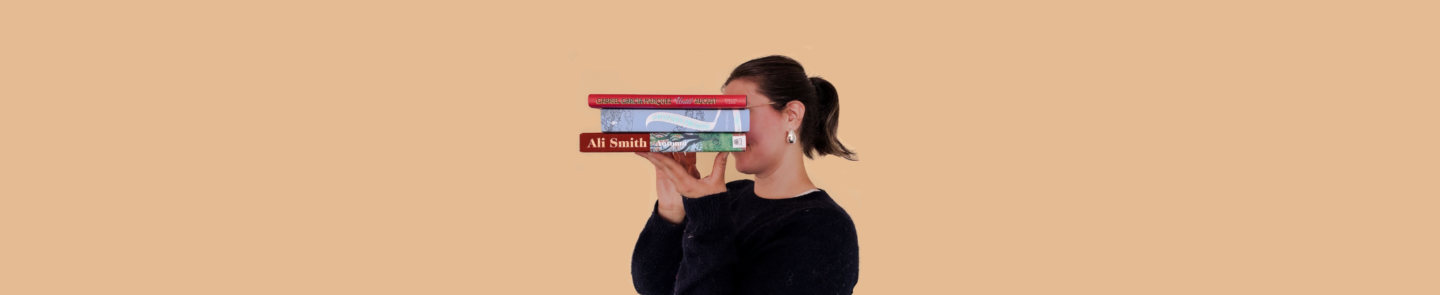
{"points": [[430, 148]]}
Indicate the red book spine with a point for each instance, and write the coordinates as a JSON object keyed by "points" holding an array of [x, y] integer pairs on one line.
{"points": [[666, 101], [614, 142]]}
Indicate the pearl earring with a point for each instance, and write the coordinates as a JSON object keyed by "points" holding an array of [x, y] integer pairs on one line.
{"points": [[790, 136]]}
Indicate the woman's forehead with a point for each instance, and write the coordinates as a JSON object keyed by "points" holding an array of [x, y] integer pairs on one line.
{"points": [[747, 88]]}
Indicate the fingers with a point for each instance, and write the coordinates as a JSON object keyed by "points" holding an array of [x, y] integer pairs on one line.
{"points": [[719, 169], [687, 158], [667, 160], [687, 162], [659, 167], [690, 166], [669, 166], [658, 159]]}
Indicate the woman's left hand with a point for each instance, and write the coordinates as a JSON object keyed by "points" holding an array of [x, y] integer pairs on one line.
{"points": [[688, 185]]}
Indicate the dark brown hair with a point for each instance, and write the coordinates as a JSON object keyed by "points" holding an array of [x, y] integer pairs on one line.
{"points": [[783, 80]]}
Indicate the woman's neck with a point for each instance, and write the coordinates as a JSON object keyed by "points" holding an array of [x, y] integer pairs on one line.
{"points": [[785, 180]]}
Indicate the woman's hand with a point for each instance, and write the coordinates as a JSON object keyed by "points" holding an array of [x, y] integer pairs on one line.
{"points": [[670, 206], [688, 183]]}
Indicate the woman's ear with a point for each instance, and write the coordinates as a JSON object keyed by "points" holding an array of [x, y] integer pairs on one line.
{"points": [[794, 114]]}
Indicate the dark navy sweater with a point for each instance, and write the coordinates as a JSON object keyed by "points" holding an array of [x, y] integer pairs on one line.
{"points": [[739, 243]]}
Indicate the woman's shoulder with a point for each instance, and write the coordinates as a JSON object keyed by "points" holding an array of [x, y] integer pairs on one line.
{"points": [[821, 207], [821, 220], [815, 207], [814, 211]]}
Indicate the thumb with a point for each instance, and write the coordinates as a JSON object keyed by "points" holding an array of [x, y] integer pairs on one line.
{"points": [[719, 170]]}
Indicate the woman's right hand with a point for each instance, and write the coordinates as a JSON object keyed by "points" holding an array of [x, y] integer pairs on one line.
{"points": [[671, 207]]}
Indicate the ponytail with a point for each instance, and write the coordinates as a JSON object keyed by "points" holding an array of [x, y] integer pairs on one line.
{"points": [[822, 128]]}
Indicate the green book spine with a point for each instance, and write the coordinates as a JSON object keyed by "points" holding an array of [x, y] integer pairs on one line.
{"points": [[667, 142]]}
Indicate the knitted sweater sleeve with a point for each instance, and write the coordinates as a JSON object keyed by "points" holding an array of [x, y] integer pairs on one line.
{"points": [[708, 262], [657, 255]]}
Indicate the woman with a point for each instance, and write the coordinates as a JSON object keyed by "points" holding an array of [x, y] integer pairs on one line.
{"points": [[778, 234]]}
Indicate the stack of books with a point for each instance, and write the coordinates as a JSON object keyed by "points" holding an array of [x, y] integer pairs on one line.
{"points": [[668, 123]]}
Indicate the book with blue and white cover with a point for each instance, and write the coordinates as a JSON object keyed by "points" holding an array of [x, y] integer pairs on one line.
{"points": [[675, 120]]}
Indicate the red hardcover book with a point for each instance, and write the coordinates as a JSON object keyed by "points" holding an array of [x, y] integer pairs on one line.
{"points": [[662, 142], [614, 142], [666, 101]]}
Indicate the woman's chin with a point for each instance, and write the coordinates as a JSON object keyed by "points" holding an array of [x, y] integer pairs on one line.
{"points": [[742, 163]]}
